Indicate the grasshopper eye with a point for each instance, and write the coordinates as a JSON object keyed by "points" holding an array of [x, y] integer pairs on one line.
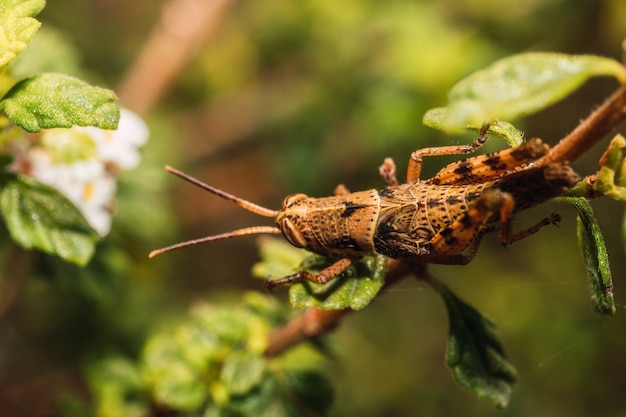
{"points": [[292, 233], [293, 198]]}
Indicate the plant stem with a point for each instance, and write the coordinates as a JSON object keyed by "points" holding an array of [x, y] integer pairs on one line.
{"points": [[590, 131]]}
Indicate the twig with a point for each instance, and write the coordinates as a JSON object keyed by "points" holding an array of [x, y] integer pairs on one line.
{"points": [[183, 26], [315, 322], [589, 131]]}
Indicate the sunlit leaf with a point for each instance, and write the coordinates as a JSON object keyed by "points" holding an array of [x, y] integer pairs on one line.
{"points": [[116, 385], [57, 100], [230, 326], [242, 372], [39, 217], [354, 289], [17, 26], [173, 382], [520, 85], [475, 353], [595, 256]]}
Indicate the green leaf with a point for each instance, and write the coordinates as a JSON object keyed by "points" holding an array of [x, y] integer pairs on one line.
{"points": [[284, 393], [56, 100], [520, 85], [278, 259], [595, 256], [198, 345], [174, 382], [475, 353], [354, 289], [115, 384], [182, 389], [242, 371], [611, 178], [39, 217], [229, 325], [268, 400], [17, 26]]}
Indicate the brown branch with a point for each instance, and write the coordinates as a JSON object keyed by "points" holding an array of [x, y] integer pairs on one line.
{"points": [[176, 37], [589, 131]]}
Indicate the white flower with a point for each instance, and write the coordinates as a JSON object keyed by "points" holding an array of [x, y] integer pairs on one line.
{"points": [[120, 147], [95, 202], [85, 183], [81, 163]]}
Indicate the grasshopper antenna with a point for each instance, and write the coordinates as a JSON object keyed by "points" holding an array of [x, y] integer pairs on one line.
{"points": [[245, 204]]}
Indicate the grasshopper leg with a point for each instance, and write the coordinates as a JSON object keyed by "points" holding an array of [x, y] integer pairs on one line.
{"points": [[325, 275], [456, 237], [415, 162], [487, 167], [553, 219]]}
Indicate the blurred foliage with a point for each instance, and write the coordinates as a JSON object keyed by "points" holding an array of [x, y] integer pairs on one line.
{"points": [[213, 365], [295, 98]]}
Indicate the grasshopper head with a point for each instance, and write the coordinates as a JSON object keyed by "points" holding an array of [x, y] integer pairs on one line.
{"points": [[290, 220]]}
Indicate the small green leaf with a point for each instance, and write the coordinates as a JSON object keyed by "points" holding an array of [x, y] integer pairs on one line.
{"points": [[278, 259], [242, 371], [182, 389], [355, 288], [56, 100], [173, 381], [39, 217], [520, 85], [229, 325], [17, 26], [116, 386], [611, 178], [199, 347], [284, 393], [475, 353], [437, 118], [595, 256]]}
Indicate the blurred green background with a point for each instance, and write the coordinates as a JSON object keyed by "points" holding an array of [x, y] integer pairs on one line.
{"points": [[280, 97]]}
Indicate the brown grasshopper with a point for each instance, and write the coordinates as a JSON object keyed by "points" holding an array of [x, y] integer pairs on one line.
{"points": [[440, 220]]}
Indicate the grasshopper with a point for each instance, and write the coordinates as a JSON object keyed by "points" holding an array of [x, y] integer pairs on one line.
{"points": [[439, 220]]}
